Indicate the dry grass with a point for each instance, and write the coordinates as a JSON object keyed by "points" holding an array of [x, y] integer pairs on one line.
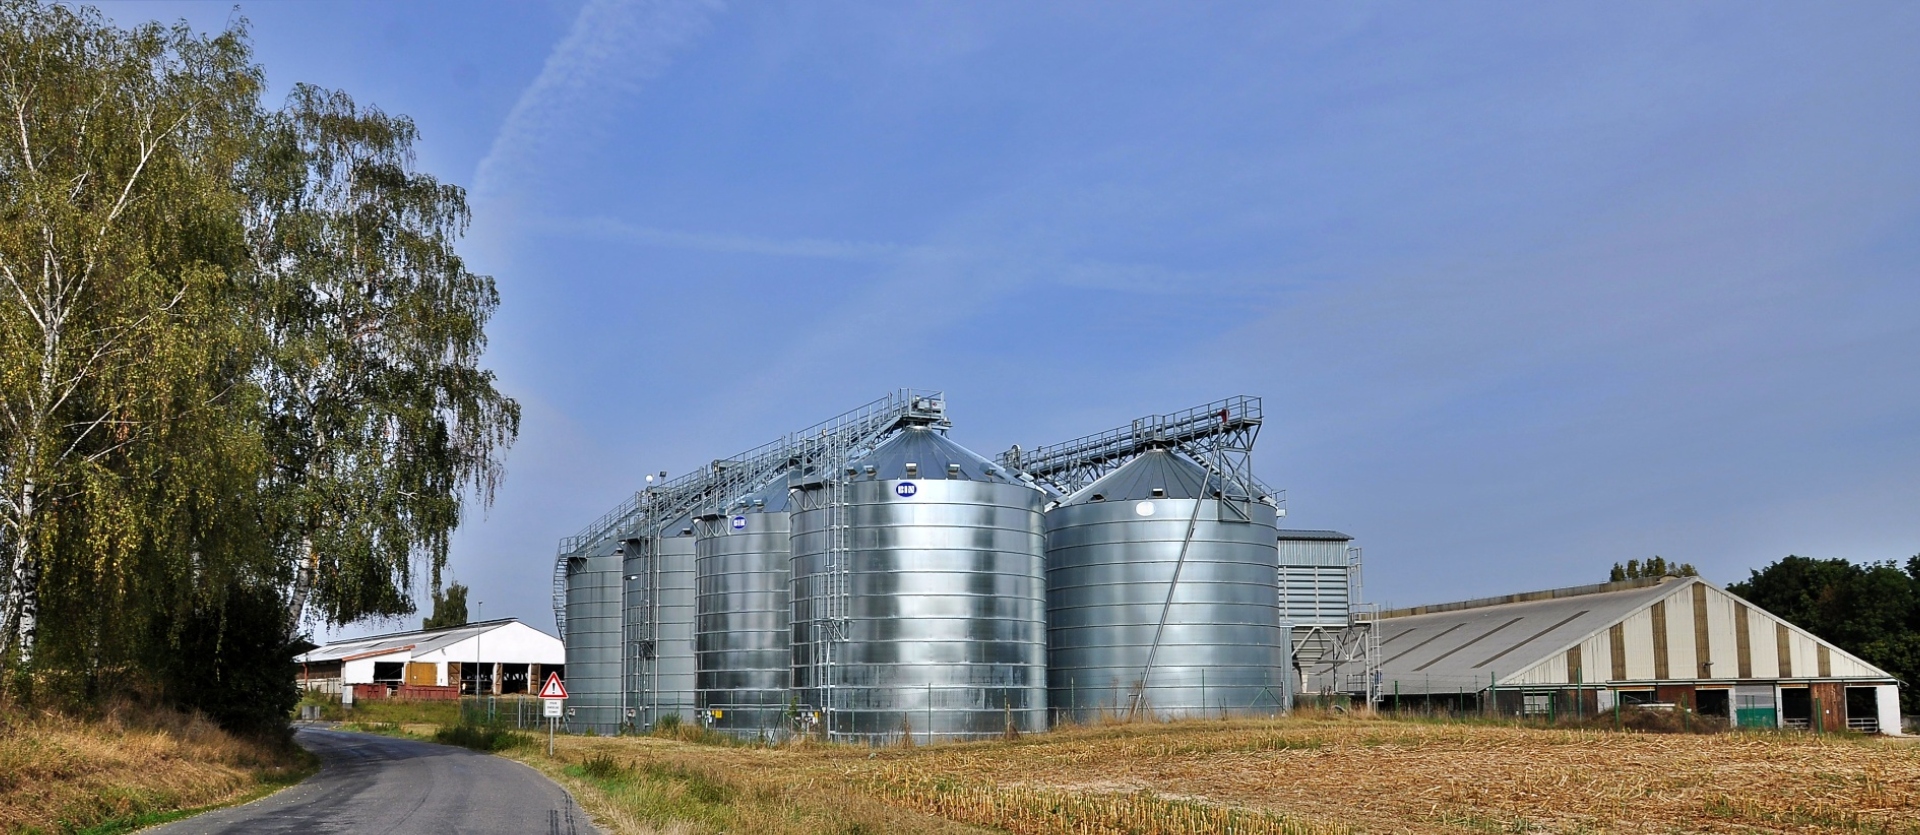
{"points": [[1301, 774], [63, 774]]}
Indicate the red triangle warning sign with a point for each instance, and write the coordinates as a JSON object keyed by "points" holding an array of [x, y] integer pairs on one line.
{"points": [[553, 689]]}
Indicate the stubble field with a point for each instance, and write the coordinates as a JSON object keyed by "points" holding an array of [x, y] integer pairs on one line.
{"points": [[1305, 775]]}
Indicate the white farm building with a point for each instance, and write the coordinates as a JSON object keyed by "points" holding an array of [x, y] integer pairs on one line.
{"points": [[500, 657]]}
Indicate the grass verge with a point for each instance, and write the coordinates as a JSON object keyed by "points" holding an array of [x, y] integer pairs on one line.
{"points": [[129, 767]]}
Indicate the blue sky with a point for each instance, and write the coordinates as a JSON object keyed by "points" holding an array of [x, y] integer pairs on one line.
{"points": [[1528, 289]]}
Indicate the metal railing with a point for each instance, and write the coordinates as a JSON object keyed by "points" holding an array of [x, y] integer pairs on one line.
{"points": [[724, 481], [1217, 435]]}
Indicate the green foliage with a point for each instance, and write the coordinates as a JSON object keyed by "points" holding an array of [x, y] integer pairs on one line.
{"points": [[436, 712], [1871, 610], [449, 608], [1656, 567], [235, 663], [126, 450], [481, 737], [602, 767], [238, 365], [380, 413]]}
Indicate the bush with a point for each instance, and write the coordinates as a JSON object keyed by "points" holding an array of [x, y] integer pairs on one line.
{"points": [[481, 738], [233, 661], [1640, 719], [603, 767]]}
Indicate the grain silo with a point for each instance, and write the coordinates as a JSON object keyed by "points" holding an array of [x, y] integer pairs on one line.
{"points": [[1161, 564], [918, 593], [592, 636], [741, 633], [659, 615]]}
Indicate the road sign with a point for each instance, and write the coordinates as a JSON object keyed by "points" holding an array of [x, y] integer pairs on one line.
{"points": [[553, 689], [555, 708]]}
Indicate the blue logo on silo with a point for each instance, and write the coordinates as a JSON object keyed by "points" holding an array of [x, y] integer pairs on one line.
{"points": [[739, 523], [906, 489]]}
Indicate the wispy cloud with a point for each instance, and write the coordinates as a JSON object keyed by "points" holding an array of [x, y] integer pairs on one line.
{"points": [[726, 242], [1025, 264], [614, 48]]}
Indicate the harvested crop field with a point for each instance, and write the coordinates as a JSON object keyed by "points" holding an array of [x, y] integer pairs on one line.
{"points": [[1313, 775]]}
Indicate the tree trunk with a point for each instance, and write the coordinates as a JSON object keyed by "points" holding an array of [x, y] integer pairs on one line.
{"points": [[22, 607], [302, 583]]}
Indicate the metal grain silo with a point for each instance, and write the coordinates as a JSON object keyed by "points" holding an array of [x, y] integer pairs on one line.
{"points": [[741, 632], [593, 638], [659, 614], [919, 595], [1160, 597]]}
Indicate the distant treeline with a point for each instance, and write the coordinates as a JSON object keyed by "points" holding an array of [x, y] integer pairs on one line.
{"points": [[239, 367], [1871, 610]]}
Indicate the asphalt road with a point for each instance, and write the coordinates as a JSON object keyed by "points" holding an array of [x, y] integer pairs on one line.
{"points": [[383, 786]]}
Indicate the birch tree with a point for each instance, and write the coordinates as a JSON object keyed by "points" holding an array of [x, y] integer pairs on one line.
{"points": [[115, 216], [381, 417], [239, 354]]}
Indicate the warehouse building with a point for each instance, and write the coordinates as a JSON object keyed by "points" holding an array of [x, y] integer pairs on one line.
{"points": [[499, 657], [1678, 643]]}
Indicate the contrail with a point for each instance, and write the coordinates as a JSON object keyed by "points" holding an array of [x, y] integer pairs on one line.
{"points": [[613, 49]]}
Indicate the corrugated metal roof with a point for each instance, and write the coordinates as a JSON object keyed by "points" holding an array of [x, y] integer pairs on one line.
{"points": [[1314, 536], [423, 641], [1469, 648], [1155, 469]]}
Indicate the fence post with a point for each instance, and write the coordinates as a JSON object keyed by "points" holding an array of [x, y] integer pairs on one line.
{"points": [[1396, 697]]}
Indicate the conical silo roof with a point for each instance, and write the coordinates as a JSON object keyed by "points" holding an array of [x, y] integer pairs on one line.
{"points": [[771, 497], [932, 454], [1138, 479], [682, 526]]}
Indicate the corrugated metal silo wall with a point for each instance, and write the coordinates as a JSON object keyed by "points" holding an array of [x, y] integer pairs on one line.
{"points": [[946, 631], [593, 641], [742, 569], [1314, 586], [662, 685], [1109, 568]]}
